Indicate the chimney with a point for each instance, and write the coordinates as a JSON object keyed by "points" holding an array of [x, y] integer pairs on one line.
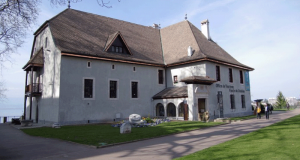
{"points": [[190, 51], [205, 28], [156, 26]]}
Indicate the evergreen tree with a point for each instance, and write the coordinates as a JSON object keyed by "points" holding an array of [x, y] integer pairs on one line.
{"points": [[281, 102]]}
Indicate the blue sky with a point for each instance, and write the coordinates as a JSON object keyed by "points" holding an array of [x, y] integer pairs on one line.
{"points": [[263, 34]]}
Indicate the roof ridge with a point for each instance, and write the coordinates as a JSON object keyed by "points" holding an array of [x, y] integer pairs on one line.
{"points": [[111, 18], [196, 39], [42, 26]]}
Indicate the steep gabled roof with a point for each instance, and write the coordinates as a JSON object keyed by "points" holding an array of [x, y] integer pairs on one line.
{"points": [[81, 33], [178, 37]]}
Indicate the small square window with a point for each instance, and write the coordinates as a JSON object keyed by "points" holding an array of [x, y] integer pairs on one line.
{"points": [[175, 79]]}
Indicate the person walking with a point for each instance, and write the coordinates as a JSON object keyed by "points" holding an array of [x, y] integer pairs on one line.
{"points": [[287, 106], [271, 109], [258, 110], [267, 111]]}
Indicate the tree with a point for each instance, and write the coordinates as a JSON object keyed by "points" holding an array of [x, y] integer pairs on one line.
{"points": [[281, 102], [16, 16], [2, 90], [102, 3]]}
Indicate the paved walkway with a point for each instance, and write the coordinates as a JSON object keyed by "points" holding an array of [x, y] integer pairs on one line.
{"points": [[14, 144]]}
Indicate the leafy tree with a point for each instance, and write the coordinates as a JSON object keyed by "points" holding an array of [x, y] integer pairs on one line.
{"points": [[281, 102]]}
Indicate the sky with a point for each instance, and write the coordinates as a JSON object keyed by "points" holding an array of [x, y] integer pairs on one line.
{"points": [[263, 34]]}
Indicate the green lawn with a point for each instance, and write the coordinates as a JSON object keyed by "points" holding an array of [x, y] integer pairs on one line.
{"points": [[280, 141], [98, 134], [242, 118]]}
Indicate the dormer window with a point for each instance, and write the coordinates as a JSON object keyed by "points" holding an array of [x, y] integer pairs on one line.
{"points": [[117, 49]]}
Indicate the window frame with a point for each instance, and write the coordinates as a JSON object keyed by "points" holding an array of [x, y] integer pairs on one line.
{"points": [[160, 78], [137, 90], [243, 101], [46, 42], [117, 89], [241, 77], [93, 87], [218, 73], [230, 75], [175, 81], [232, 102], [89, 64]]}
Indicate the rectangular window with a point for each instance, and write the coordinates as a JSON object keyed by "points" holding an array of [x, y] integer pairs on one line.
{"points": [[175, 79], [113, 66], [230, 75], [232, 101], [88, 88], [120, 49], [46, 42], [218, 73], [134, 89], [89, 64], [243, 101], [113, 48], [241, 77], [117, 49], [160, 76], [112, 89]]}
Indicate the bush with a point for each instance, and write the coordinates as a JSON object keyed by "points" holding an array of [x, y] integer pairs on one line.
{"points": [[149, 120]]}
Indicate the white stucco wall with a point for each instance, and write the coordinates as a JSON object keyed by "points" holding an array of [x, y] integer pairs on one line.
{"points": [[75, 109], [48, 102], [227, 90]]}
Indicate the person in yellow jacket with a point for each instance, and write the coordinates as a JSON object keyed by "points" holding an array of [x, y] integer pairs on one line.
{"points": [[258, 110]]}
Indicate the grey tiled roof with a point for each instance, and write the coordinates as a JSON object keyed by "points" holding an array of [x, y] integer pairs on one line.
{"points": [[37, 59], [81, 33], [87, 34], [173, 92]]}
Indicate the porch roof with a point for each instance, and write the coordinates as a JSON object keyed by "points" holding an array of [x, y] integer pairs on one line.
{"points": [[173, 92], [198, 80], [36, 60]]}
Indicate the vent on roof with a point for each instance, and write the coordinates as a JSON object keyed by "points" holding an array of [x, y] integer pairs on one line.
{"points": [[205, 28], [190, 51], [156, 26]]}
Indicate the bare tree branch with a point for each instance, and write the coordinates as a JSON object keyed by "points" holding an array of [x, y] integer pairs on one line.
{"points": [[16, 16]]}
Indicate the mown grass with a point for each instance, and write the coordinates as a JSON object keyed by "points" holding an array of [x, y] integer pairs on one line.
{"points": [[243, 118], [277, 142], [99, 134]]}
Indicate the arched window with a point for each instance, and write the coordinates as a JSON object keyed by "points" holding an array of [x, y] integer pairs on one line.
{"points": [[181, 110], [160, 111], [171, 110]]}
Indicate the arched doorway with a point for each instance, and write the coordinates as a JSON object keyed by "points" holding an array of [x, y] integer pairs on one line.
{"points": [[160, 111], [171, 110], [181, 111]]}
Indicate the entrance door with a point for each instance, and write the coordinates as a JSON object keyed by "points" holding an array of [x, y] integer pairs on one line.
{"points": [[220, 103], [201, 108]]}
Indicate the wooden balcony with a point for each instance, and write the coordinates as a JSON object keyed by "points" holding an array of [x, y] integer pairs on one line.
{"points": [[35, 89]]}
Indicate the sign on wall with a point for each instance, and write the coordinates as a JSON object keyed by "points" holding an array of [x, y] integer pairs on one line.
{"points": [[247, 81]]}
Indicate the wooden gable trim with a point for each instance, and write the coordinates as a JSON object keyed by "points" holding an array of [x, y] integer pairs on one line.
{"points": [[111, 42], [113, 60]]}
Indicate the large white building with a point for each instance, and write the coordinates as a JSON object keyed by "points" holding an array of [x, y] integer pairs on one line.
{"points": [[86, 68]]}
